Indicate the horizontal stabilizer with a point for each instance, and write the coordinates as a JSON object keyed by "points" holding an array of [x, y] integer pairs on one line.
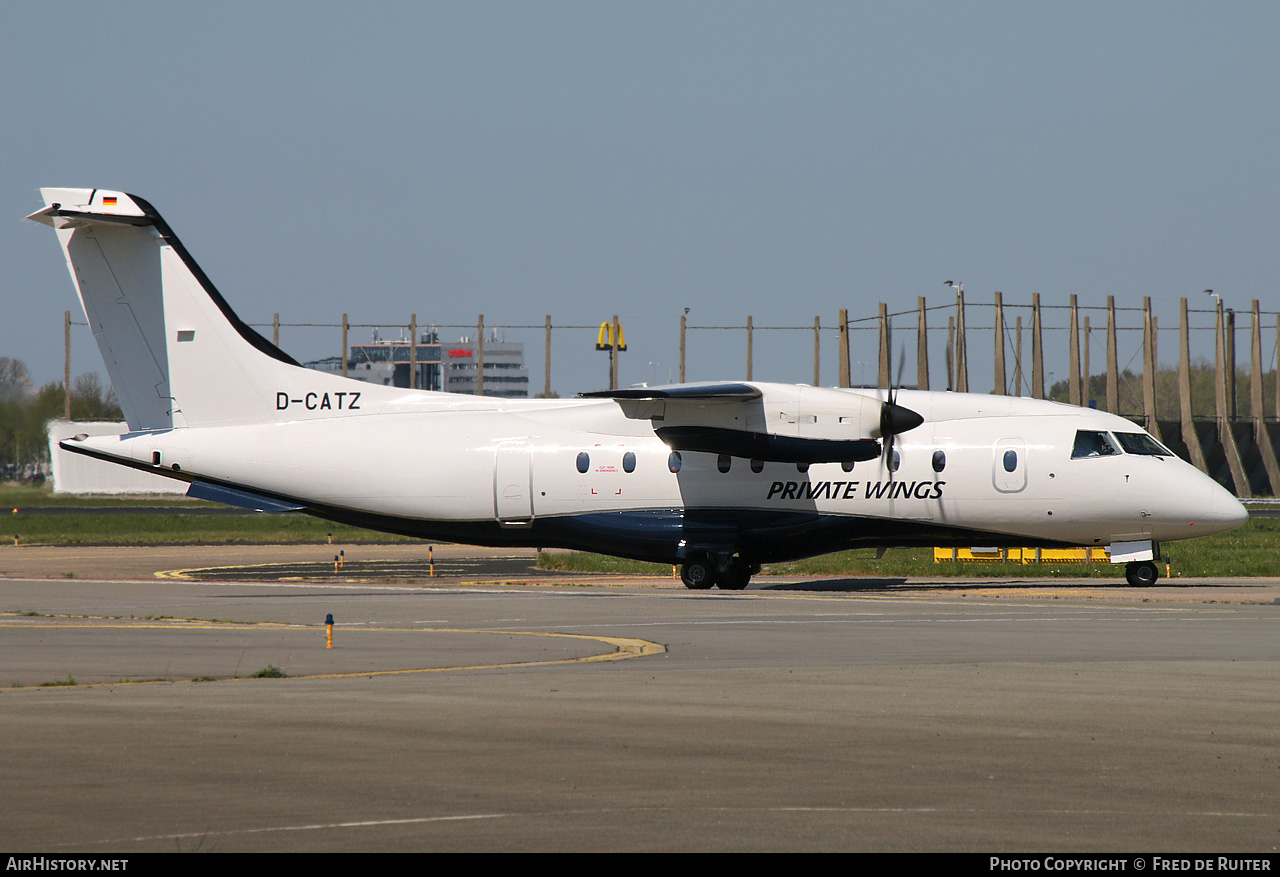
{"points": [[78, 208]]}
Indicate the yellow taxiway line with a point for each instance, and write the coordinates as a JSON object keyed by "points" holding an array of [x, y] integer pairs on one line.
{"points": [[622, 647]]}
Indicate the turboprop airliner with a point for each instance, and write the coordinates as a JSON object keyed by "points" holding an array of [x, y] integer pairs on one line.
{"points": [[716, 477]]}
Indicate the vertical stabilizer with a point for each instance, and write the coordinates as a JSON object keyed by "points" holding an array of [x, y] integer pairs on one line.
{"points": [[177, 354]]}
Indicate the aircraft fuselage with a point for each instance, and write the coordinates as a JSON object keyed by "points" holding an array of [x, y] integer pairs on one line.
{"points": [[581, 474]]}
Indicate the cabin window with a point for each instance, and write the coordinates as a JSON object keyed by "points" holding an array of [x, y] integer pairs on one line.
{"points": [[847, 465], [895, 461], [724, 463], [939, 461], [674, 461], [1010, 460], [802, 467], [628, 462], [757, 466], [584, 462]]}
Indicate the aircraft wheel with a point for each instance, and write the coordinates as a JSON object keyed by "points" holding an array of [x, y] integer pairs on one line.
{"points": [[736, 577], [1141, 574], [697, 575]]}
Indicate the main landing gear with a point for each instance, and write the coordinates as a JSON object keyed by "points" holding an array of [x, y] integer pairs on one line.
{"points": [[701, 573], [1141, 573]]}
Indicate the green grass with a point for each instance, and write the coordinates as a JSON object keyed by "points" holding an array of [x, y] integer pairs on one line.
{"points": [[271, 671], [143, 529], [25, 496], [115, 528], [581, 561], [1252, 550]]}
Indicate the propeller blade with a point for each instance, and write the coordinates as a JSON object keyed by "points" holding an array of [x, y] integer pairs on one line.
{"points": [[894, 418]]}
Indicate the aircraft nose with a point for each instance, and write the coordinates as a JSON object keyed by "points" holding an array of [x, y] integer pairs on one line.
{"points": [[1228, 512], [1199, 506]]}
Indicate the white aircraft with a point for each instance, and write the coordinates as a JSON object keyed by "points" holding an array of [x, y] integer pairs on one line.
{"points": [[718, 477]]}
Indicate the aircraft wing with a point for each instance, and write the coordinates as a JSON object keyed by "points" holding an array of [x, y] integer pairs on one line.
{"points": [[688, 392], [777, 423]]}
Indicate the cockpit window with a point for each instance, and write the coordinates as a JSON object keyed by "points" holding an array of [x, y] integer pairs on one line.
{"points": [[1091, 443], [1141, 443]]}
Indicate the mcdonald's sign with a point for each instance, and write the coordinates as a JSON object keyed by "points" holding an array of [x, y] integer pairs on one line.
{"points": [[604, 341]]}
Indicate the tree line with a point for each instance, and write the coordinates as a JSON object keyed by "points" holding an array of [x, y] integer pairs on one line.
{"points": [[1168, 407], [25, 408]]}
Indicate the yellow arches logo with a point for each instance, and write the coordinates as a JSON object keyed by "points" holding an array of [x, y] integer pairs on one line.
{"points": [[604, 341]]}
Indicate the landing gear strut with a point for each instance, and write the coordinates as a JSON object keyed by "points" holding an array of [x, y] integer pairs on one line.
{"points": [[1141, 573]]}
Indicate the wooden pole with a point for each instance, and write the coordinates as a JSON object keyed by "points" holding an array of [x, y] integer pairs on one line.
{"points": [[613, 354], [1233, 410], [1017, 362], [683, 319], [1260, 435], [817, 346], [1220, 366], [1155, 342], [546, 389], [1088, 376], [1113, 368], [1001, 380], [345, 327], [1149, 370], [1074, 396], [885, 345], [1226, 365], [962, 352], [1037, 349], [413, 351], [1190, 437], [845, 380], [275, 329], [750, 343]]}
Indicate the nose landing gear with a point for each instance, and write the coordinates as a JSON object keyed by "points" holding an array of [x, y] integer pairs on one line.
{"points": [[1141, 574]]}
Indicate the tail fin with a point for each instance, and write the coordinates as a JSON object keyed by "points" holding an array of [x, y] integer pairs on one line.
{"points": [[176, 352]]}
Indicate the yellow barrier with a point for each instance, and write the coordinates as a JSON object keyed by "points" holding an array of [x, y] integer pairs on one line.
{"points": [[1022, 555]]}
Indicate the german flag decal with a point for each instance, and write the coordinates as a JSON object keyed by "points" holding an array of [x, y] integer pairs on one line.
{"points": [[108, 201]]}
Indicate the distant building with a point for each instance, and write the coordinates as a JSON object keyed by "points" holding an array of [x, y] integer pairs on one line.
{"points": [[76, 473], [451, 367]]}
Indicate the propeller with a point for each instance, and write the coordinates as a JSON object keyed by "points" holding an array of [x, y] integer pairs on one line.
{"points": [[895, 418], [951, 362]]}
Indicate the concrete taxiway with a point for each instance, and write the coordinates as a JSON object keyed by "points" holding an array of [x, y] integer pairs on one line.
{"points": [[535, 712]]}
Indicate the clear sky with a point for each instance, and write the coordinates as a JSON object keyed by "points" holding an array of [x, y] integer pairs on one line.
{"points": [[782, 160]]}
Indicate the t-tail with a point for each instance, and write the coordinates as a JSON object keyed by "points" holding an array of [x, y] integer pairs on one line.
{"points": [[177, 354]]}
